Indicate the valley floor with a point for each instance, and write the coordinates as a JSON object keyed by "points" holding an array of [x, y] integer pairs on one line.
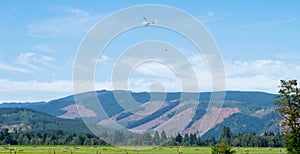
{"points": [[10, 149]]}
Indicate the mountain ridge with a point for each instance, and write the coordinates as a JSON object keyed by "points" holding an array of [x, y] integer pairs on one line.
{"points": [[238, 105]]}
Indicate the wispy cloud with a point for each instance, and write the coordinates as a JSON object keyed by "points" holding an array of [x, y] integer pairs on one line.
{"points": [[32, 60], [103, 59], [25, 59], [288, 20], [43, 48], [78, 12], [6, 67], [53, 86], [258, 75], [266, 24], [76, 22], [211, 16], [32, 91], [287, 56]]}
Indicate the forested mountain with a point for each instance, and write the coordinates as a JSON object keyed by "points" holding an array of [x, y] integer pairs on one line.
{"points": [[27, 120], [241, 111]]}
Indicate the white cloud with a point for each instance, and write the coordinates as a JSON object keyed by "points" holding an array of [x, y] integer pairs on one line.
{"points": [[78, 12], [77, 22], [53, 86], [32, 60], [288, 20], [25, 59], [174, 73], [211, 16], [43, 48], [102, 59], [10, 68], [259, 75], [155, 69], [254, 75], [32, 91], [46, 59], [288, 55], [267, 24]]}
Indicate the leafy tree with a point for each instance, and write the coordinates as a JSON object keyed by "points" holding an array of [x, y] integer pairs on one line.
{"points": [[288, 105], [222, 148]]}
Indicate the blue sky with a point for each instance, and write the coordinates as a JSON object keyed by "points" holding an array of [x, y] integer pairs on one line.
{"points": [[258, 40]]}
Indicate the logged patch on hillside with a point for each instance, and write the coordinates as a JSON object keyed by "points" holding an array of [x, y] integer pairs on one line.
{"points": [[204, 124], [72, 112]]}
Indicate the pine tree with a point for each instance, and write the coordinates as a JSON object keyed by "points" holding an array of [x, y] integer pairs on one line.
{"points": [[163, 136], [156, 138]]}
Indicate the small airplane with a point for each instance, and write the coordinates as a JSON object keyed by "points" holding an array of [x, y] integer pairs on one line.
{"points": [[147, 22]]}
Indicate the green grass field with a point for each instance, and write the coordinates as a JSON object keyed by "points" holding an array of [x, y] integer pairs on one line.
{"points": [[120, 150]]}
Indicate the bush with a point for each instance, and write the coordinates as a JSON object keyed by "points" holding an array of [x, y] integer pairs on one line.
{"points": [[222, 148]]}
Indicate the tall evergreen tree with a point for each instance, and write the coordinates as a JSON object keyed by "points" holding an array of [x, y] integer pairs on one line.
{"points": [[156, 138], [226, 135], [163, 136], [193, 139], [178, 138]]}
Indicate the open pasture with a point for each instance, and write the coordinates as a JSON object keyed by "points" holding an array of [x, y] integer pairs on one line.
{"points": [[126, 150]]}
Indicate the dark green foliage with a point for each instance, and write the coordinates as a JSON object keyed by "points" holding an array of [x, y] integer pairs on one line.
{"points": [[54, 138], [163, 136], [253, 140], [178, 138], [118, 137], [288, 105], [156, 138], [30, 120], [21, 105], [222, 148], [147, 139], [226, 135], [268, 139], [241, 123], [193, 139]]}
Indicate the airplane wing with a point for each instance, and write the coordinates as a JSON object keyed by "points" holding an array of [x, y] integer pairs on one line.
{"points": [[145, 19]]}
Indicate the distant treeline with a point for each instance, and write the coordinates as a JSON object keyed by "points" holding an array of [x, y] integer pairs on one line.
{"points": [[268, 139], [54, 138]]}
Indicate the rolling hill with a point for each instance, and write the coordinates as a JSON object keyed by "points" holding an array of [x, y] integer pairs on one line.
{"points": [[241, 111], [24, 120]]}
